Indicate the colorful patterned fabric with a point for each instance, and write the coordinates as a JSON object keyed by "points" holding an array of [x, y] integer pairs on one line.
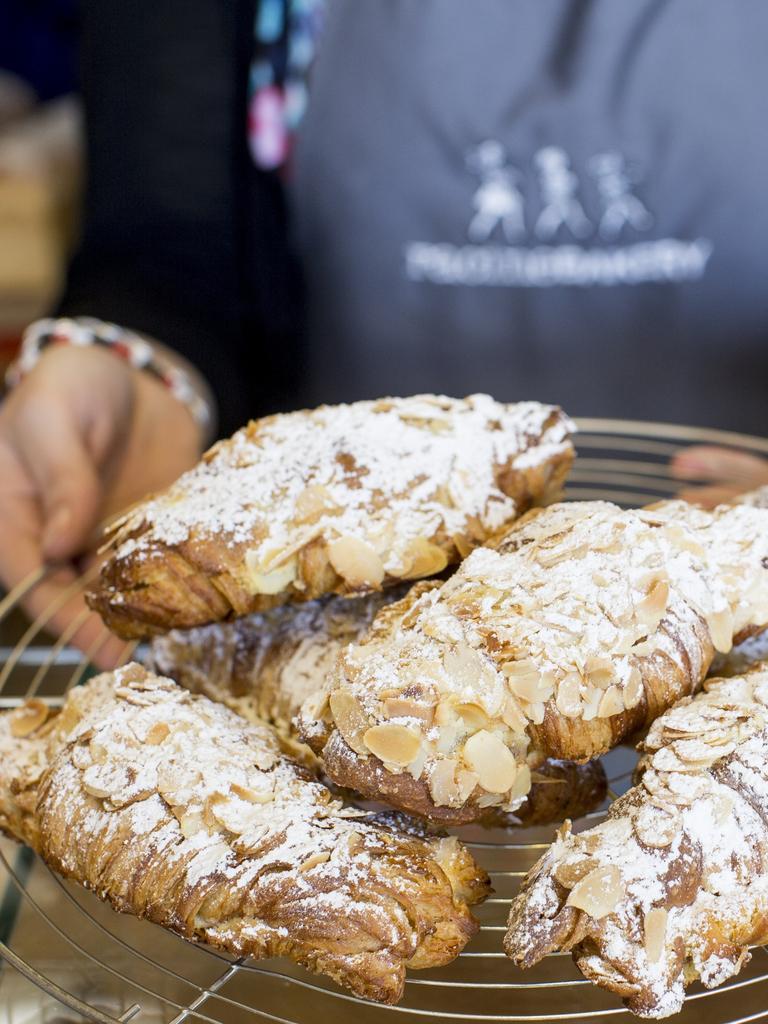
{"points": [[132, 348], [286, 34]]}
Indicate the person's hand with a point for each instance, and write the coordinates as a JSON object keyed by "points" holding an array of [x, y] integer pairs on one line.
{"points": [[721, 473], [82, 437]]}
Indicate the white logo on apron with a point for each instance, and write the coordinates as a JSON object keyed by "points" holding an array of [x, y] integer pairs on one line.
{"points": [[497, 201], [620, 207], [501, 213], [558, 186]]}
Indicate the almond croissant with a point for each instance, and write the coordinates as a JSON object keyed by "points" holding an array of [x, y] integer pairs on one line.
{"points": [[269, 667], [342, 499], [673, 886], [579, 626], [173, 808]]}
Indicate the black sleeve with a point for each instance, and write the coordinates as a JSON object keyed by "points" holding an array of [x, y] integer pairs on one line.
{"points": [[183, 238]]}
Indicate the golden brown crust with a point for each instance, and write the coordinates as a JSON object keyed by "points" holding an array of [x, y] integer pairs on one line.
{"points": [[676, 669], [345, 499], [30, 736], [23, 759], [672, 887], [173, 808], [578, 627], [372, 780], [559, 790], [266, 666]]}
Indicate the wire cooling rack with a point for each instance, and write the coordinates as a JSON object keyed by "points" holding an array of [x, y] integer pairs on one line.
{"points": [[101, 966]]}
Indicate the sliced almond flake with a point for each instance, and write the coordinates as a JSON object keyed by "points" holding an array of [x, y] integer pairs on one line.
{"points": [[598, 892], [273, 582], [314, 860], [720, 625], [495, 765], [356, 562], [568, 698], [650, 611], [443, 785], [28, 718], [393, 744], [422, 558], [611, 703], [350, 718], [512, 715], [655, 927], [311, 503], [533, 687]]}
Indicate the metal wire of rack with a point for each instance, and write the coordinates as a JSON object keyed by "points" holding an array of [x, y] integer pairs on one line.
{"points": [[111, 968]]}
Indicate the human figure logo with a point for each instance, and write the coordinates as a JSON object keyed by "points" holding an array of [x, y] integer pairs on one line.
{"points": [[497, 200], [558, 186], [619, 206], [555, 214]]}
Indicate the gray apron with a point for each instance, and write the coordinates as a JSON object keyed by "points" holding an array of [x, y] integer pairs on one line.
{"points": [[553, 199]]}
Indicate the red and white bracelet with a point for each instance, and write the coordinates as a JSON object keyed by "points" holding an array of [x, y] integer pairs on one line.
{"points": [[125, 344]]}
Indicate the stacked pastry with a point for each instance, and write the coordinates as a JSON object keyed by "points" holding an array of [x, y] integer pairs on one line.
{"points": [[303, 576], [334, 501], [266, 666], [672, 887], [180, 810], [274, 668]]}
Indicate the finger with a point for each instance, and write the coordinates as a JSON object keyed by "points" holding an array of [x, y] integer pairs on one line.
{"points": [[709, 462], [65, 478], [56, 605], [709, 496], [57, 600]]}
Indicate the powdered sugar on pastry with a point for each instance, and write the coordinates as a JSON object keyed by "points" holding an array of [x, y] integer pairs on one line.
{"points": [[338, 499], [672, 887], [22, 766], [581, 624], [404, 450]]}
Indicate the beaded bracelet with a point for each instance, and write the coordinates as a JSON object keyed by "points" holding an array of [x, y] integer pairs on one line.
{"points": [[125, 344]]}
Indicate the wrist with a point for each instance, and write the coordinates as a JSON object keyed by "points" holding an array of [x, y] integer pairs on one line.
{"points": [[200, 384], [169, 370], [158, 413]]}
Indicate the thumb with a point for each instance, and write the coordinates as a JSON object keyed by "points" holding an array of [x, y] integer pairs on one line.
{"points": [[68, 487]]}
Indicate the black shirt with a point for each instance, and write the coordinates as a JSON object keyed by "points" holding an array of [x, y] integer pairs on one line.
{"points": [[184, 238]]}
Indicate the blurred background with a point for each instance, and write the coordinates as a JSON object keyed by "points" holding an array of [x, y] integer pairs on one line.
{"points": [[40, 158], [574, 212]]}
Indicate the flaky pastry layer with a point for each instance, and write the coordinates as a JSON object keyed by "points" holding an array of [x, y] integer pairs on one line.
{"points": [[173, 808], [339, 499], [266, 666], [673, 886]]}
